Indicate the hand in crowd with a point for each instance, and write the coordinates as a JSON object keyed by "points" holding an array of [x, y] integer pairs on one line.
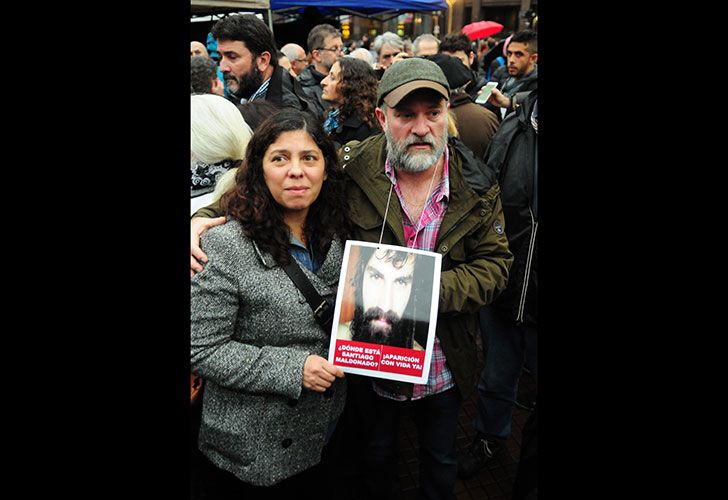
{"points": [[319, 374], [498, 99], [198, 227], [400, 57]]}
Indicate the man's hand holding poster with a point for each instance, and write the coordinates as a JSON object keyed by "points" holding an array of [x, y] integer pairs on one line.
{"points": [[386, 311]]}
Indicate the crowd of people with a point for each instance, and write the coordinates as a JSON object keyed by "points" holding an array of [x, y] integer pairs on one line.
{"points": [[295, 151]]}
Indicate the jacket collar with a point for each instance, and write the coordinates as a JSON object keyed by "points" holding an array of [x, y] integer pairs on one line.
{"points": [[275, 87], [327, 274]]}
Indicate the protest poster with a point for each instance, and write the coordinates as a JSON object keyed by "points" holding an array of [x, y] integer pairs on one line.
{"points": [[386, 311]]}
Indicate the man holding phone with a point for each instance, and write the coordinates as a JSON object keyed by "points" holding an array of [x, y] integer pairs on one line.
{"points": [[522, 53]]}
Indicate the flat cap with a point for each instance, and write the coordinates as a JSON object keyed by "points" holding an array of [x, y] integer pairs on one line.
{"points": [[408, 75]]}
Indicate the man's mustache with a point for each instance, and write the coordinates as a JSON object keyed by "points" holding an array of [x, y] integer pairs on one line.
{"points": [[427, 139], [374, 313]]}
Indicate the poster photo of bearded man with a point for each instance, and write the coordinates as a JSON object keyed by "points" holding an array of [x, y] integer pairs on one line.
{"points": [[386, 311]]}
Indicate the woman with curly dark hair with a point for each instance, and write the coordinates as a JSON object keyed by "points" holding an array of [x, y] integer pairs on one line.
{"points": [[271, 398], [351, 87]]}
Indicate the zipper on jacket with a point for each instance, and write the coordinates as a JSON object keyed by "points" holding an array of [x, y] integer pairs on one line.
{"points": [[526, 276]]}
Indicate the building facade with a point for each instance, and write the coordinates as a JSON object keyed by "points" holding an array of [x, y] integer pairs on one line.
{"points": [[514, 15]]}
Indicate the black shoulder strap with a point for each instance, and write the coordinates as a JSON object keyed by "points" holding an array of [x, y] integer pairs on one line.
{"points": [[322, 310]]}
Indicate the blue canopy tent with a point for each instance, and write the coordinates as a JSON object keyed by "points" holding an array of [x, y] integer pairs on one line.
{"points": [[378, 9], [297, 17]]}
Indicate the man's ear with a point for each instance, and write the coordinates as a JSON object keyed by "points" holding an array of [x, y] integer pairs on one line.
{"points": [[471, 57], [381, 116], [263, 61]]}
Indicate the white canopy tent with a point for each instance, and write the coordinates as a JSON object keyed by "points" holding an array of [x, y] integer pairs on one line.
{"points": [[209, 6], [200, 8]]}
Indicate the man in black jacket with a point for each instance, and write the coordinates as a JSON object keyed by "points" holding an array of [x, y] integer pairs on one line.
{"points": [[509, 325], [249, 64], [522, 54]]}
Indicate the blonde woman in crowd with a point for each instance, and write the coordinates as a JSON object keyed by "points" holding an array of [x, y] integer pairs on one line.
{"points": [[218, 138]]}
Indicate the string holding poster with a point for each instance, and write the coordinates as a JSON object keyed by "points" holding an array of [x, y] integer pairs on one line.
{"points": [[386, 311]]}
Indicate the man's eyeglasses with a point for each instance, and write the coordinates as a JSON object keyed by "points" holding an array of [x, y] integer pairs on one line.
{"points": [[389, 56], [332, 49]]}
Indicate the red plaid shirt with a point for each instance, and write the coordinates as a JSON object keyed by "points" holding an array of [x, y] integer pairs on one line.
{"points": [[440, 377]]}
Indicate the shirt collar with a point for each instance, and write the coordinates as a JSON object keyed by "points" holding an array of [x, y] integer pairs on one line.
{"points": [[258, 93], [296, 242]]}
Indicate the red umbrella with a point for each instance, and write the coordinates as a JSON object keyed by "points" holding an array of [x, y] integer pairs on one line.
{"points": [[482, 29]]}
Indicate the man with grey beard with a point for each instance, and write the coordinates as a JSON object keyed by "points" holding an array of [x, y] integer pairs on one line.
{"points": [[412, 187]]}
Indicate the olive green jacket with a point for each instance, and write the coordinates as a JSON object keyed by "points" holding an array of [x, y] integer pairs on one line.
{"points": [[471, 240]]}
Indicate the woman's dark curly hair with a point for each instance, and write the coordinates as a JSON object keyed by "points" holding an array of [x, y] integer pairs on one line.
{"points": [[251, 202], [358, 87]]}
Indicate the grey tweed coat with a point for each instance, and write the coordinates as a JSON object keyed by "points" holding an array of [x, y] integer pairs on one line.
{"points": [[252, 330]]}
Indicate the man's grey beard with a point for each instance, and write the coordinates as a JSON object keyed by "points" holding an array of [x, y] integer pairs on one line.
{"points": [[401, 159]]}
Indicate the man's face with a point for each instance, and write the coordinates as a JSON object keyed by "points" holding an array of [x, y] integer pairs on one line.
{"points": [[197, 49], [386, 55], [416, 130], [332, 49], [299, 63], [386, 288], [520, 60], [239, 68]]}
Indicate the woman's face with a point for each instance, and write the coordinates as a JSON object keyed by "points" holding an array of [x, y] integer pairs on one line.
{"points": [[331, 85], [294, 171]]}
